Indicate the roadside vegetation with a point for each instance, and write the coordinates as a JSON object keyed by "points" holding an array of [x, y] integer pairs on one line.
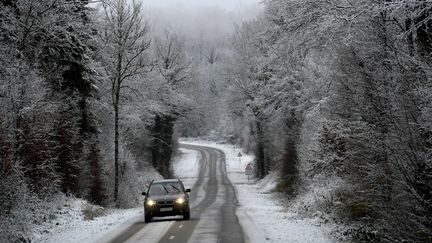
{"points": [[333, 97], [82, 91]]}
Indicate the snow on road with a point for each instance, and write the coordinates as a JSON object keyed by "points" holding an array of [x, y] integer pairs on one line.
{"points": [[186, 167], [261, 213], [152, 233], [70, 225]]}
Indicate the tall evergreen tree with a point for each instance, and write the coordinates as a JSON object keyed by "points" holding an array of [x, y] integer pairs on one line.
{"points": [[97, 192]]}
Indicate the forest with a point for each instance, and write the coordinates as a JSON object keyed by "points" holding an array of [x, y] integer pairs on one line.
{"points": [[332, 97]]}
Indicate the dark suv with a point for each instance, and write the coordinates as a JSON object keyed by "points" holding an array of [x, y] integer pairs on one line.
{"points": [[166, 198]]}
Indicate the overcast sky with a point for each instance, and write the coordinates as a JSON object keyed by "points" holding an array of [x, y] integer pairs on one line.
{"points": [[207, 19], [230, 5]]}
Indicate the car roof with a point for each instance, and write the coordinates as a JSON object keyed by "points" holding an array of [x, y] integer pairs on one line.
{"points": [[166, 181]]}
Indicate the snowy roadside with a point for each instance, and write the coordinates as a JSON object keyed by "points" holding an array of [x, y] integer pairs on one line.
{"points": [[262, 215], [187, 169], [68, 223], [186, 166]]}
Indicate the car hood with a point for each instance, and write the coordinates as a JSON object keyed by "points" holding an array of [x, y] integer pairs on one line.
{"points": [[166, 197]]}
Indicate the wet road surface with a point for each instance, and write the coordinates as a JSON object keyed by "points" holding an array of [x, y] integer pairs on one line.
{"points": [[213, 206]]}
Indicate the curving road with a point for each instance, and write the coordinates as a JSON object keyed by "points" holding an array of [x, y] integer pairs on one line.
{"points": [[213, 206]]}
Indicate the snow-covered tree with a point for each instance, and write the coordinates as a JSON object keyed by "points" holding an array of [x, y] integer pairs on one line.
{"points": [[173, 68], [124, 36]]}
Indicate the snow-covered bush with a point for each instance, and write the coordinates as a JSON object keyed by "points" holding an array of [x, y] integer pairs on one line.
{"points": [[133, 183], [91, 212], [18, 208], [345, 89]]}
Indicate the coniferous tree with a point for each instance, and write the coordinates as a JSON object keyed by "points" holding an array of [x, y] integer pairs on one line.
{"points": [[66, 165], [38, 159], [97, 188]]}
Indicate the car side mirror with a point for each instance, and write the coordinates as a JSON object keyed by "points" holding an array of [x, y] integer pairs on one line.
{"points": [[144, 193], [188, 190]]}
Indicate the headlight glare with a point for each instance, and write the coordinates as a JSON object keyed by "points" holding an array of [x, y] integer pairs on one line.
{"points": [[151, 202], [180, 200]]}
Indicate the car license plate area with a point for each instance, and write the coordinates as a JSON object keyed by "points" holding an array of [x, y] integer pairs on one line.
{"points": [[166, 209]]}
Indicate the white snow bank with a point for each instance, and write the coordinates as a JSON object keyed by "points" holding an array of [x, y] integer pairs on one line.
{"points": [[69, 224], [264, 214], [186, 166]]}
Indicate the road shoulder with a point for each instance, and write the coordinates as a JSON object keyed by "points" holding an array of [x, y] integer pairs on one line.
{"points": [[261, 212]]}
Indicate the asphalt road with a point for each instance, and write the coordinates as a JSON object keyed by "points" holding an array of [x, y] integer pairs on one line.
{"points": [[213, 206]]}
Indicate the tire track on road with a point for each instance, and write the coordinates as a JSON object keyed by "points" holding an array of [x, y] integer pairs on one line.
{"points": [[219, 210], [141, 227], [182, 231]]}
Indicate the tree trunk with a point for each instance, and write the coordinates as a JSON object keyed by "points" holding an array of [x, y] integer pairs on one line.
{"points": [[116, 148], [18, 142], [162, 144], [260, 156], [116, 102], [97, 189], [289, 165]]}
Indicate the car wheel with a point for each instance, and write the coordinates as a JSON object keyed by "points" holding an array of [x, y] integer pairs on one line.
{"points": [[186, 216], [147, 218]]}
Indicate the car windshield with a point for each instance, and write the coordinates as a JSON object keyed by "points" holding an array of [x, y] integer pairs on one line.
{"points": [[165, 188]]}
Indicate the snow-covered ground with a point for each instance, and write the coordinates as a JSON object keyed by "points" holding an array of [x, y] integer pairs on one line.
{"points": [[186, 167], [69, 224], [271, 220], [262, 212]]}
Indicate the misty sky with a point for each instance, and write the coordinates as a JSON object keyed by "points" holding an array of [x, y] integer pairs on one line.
{"points": [[230, 5], [205, 19]]}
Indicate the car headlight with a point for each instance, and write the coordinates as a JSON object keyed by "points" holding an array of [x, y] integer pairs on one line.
{"points": [[151, 202], [180, 200]]}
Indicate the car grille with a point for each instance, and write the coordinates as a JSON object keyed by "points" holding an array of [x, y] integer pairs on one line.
{"points": [[170, 202], [165, 203]]}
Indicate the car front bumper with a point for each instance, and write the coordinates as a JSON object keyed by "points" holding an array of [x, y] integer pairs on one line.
{"points": [[162, 211]]}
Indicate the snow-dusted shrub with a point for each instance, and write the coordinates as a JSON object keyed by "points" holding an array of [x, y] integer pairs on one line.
{"points": [[91, 212], [134, 182], [18, 208], [374, 131], [131, 187]]}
